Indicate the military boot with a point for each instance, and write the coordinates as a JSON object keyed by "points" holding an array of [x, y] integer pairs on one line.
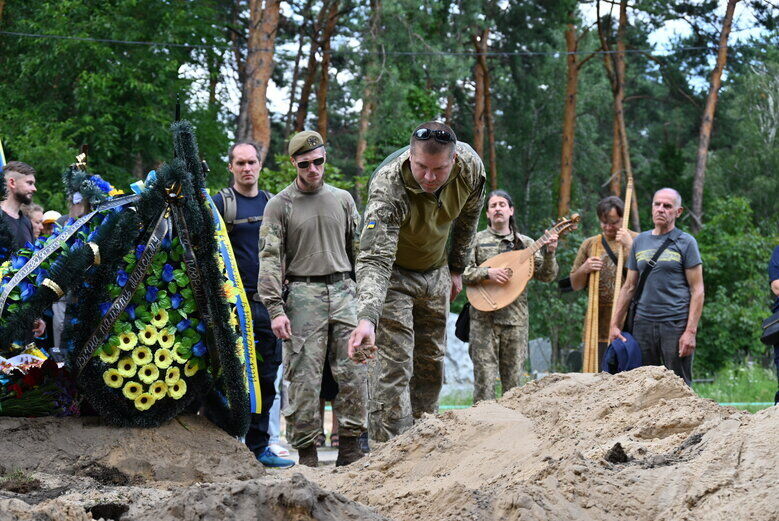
{"points": [[348, 451], [308, 456]]}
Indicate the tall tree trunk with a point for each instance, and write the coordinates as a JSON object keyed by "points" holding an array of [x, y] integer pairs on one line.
{"points": [[294, 85], [238, 41], [2, 6], [708, 120], [259, 67], [449, 108], [569, 123], [324, 79], [478, 102], [616, 161], [482, 49], [311, 69], [214, 66]]}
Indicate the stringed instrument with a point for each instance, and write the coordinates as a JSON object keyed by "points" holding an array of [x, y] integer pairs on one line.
{"points": [[491, 296]]}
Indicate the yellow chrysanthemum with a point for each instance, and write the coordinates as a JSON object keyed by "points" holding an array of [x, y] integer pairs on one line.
{"points": [[233, 318], [132, 390], [109, 354], [172, 376], [177, 356], [148, 373], [112, 378], [160, 319], [229, 291], [191, 368], [126, 367], [158, 389], [148, 335], [165, 339], [177, 390], [144, 401], [142, 355], [163, 358], [127, 341]]}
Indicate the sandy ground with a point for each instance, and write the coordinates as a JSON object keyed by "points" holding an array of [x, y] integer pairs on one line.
{"points": [[635, 446]]}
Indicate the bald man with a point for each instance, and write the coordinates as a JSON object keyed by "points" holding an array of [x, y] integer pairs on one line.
{"points": [[669, 307]]}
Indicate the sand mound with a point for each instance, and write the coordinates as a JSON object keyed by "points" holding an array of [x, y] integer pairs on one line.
{"points": [[539, 453]]}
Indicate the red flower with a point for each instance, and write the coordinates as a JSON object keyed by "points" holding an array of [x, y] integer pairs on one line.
{"points": [[33, 379], [16, 388]]}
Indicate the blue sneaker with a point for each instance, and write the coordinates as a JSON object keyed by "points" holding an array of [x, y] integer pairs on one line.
{"points": [[269, 459]]}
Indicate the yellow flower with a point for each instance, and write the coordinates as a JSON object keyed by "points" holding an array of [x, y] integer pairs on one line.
{"points": [[142, 355], [148, 335], [163, 358], [233, 318], [229, 291], [166, 339], [112, 378], [144, 401], [160, 319], [126, 367], [148, 373], [177, 390], [172, 375], [109, 358], [158, 389], [128, 340], [132, 390], [177, 356], [191, 368]]}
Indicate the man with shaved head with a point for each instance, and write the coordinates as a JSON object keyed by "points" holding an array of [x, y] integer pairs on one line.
{"points": [[668, 309]]}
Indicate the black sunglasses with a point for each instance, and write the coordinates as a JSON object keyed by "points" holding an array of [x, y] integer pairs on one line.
{"points": [[442, 136], [305, 164]]}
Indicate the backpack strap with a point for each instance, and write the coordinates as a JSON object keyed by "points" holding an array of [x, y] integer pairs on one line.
{"points": [[231, 208]]}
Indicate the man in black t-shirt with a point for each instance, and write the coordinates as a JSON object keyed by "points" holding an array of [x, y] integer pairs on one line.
{"points": [[20, 187], [242, 206]]}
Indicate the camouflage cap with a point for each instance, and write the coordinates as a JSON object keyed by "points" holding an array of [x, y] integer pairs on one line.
{"points": [[305, 141]]}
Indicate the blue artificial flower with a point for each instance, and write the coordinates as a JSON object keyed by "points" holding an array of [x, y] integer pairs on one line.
{"points": [[78, 243], [27, 290], [182, 325], [75, 321], [167, 273], [201, 327], [17, 261], [151, 293], [199, 349], [121, 278], [104, 307], [176, 300], [42, 274], [130, 310], [139, 251], [101, 183], [166, 243]]}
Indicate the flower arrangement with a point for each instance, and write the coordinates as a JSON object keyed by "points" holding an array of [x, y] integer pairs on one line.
{"points": [[38, 389]]}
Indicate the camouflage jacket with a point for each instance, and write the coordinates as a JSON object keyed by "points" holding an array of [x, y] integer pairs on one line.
{"points": [[403, 225], [488, 244]]}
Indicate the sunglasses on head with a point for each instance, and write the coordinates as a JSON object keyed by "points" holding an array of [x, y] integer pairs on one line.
{"points": [[442, 136], [305, 164]]}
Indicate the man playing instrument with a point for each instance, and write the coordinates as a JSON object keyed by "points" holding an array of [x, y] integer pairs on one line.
{"points": [[610, 212], [498, 339]]}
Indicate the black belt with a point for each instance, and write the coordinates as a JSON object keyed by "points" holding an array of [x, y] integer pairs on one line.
{"points": [[327, 279]]}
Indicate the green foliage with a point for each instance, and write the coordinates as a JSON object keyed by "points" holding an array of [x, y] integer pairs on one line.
{"points": [[275, 181], [745, 383]]}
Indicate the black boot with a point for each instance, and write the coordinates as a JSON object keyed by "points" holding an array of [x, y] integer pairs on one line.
{"points": [[348, 451], [308, 456]]}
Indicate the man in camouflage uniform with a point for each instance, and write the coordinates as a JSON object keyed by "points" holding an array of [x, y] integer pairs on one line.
{"points": [[498, 339], [309, 237], [405, 278]]}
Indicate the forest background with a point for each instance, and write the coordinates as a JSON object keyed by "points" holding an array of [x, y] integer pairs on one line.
{"points": [[561, 98]]}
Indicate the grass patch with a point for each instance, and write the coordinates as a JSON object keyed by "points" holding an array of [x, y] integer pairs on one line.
{"points": [[743, 384], [19, 482]]}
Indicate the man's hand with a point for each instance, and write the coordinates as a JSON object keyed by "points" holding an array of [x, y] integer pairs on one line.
{"points": [[616, 332], [499, 275], [592, 264], [363, 334], [457, 285], [686, 344], [551, 242], [39, 328], [281, 327], [624, 238]]}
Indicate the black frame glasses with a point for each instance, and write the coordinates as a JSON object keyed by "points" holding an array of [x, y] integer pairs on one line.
{"points": [[442, 136], [305, 164]]}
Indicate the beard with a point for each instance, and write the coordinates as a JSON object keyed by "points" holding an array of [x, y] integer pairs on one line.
{"points": [[23, 198]]}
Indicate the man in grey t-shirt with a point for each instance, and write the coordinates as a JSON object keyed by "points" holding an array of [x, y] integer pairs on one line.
{"points": [[670, 305]]}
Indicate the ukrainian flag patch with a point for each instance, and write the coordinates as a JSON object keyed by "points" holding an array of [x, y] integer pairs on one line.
{"points": [[371, 225]]}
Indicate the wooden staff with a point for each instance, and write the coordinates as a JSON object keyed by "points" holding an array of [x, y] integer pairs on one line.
{"points": [[590, 362], [620, 253]]}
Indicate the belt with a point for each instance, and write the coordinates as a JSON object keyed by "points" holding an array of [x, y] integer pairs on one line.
{"points": [[327, 279]]}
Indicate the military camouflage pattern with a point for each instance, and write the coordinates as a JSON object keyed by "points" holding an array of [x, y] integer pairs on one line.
{"points": [[322, 317], [407, 376], [404, 226], [496, 350]]}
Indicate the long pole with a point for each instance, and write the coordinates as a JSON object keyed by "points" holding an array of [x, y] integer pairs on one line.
{"points": [[590, 362], [621, 253]]}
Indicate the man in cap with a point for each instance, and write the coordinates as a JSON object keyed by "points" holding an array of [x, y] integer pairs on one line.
{"points": [[309, 238], [405, 275]]}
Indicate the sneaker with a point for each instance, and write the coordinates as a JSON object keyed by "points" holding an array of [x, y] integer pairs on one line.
{"points": [[269, 459], [278, 450]]}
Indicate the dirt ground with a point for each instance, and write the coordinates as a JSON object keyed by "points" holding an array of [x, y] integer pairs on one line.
{"points": [[634, 446]]}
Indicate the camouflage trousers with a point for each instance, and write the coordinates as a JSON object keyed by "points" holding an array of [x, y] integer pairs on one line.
{"points": [[322, 318], [495, 349], [406, 378]]}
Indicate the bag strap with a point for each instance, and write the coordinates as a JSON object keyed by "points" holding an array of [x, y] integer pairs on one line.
{"points": [[650, 265], [230, 207], [608, 249]]}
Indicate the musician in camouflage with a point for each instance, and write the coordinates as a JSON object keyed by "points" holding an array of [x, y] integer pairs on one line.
{"points": [[498, 339], [418, 197], [309, 237]]}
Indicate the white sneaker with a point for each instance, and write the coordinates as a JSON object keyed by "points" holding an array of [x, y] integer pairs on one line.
{"points": [[278, 450]]}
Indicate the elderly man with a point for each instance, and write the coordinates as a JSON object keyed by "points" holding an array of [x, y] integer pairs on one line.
{"points": [[669, 307], [418, 197]]}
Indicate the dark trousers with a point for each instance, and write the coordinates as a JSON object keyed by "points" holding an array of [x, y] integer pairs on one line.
{"points": [[659, 342], [268, 347]]}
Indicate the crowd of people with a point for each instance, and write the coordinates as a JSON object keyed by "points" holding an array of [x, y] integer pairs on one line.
{"points": [[331, 290]]}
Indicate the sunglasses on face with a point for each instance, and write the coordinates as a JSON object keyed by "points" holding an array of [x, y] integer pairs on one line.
{"points": [[305, 164], [442, 136]]}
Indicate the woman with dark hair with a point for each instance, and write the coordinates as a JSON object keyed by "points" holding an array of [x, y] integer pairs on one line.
{"points": [[498, 339]]}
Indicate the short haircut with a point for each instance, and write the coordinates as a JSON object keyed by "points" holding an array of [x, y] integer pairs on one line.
{"points": [[230, 151], [432, 146], [19, 168], [607, 204], [676, 192]]}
